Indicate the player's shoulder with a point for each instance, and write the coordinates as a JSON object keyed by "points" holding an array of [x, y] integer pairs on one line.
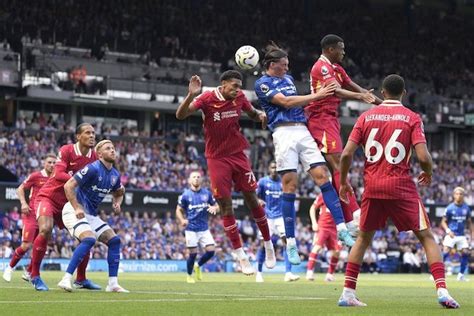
{"points": [[66, 149], [263, 79]]}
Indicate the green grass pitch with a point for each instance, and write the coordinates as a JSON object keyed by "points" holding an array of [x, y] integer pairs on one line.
{"points": [[233, 294]]}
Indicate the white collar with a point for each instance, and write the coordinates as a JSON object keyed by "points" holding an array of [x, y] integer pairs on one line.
{"points": [[325, 59], [391, 103], [219, 94], [78, 151], [43, 173]]}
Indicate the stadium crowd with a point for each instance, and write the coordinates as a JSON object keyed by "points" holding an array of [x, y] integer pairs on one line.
{"points": [[164, 163]]}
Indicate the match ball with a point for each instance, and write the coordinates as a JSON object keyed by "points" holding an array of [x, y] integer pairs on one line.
{"points": [[246, 57]]}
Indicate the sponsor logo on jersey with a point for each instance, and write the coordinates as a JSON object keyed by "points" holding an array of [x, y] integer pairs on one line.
{"points": [[217, 116]]}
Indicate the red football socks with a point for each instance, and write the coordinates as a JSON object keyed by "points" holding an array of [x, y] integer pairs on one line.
{"points": [[81, 268], [333, 264], [437, 270], [260, 218], [17, 255], [39, 249], [352, 272], [312, 261], [231, 230]]}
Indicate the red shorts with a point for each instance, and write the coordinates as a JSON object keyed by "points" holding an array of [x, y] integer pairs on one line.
{"points": [[328, 238], [46, 207], [407, 214], [231, 169], [327, 134], [30, 227]]}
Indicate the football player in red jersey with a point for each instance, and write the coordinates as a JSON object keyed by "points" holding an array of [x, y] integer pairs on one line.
{"points": [[227, 163], [325, 235], [323, 122], [52, 198], [387, 134], [33, 182]]}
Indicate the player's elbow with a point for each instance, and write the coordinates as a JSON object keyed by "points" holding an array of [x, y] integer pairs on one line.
{"points": [[180, 116]]}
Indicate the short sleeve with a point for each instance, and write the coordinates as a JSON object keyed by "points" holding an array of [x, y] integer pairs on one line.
{"points": [[265, 89], [318, 202], [261, 189], [417, 132], [321, 74], [211, 199], [28, 182], [118, 184], [199, 101], [246, 105], [344, 76], [182, 202], [357, 131], [85, 175]]}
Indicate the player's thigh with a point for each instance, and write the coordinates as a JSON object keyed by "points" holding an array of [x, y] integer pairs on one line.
{"points": [[461, 242], [45, 210], [242, 174], [309, 153], [76, 227], [327, 133], [286, 154], [373, 215], [322, 237], [30, 228], [220, 174], [331, 241], [408, 214], [205, 239], [449, 242], [99, 227], [191, 239]]}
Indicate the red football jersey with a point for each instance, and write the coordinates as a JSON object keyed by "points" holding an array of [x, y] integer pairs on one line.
{"points": [[70, 160], [34, 182], [221, 123], [387, 133], [325, 220], [323, 72]]}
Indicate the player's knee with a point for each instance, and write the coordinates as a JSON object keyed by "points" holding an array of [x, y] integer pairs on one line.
{"points": [[114, 242], [26, 245], [225, 206], [45, 229], [320, 175], [251, 199]]}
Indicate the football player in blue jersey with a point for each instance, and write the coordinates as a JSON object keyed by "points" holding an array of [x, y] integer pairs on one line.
{"points": [[85, 191], [192, 211], [457, 215], [293, 143], [269, 192]]}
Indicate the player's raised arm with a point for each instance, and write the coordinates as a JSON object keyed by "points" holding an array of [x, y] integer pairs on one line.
{"points": [[186, 108], [346, 161]]}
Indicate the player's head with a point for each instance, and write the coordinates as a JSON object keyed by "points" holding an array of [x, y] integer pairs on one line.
{"points": [[272, 169], [393, 87], [275, 60], [105, 150], [48, 162], [85, 135], [195, 179], [231, 83], [458, 195], [333, 48]]}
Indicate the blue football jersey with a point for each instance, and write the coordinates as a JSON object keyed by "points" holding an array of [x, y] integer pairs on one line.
{"points": [[266, 88], [270, 191], [196, 205], [95, 182], [457, 216]]}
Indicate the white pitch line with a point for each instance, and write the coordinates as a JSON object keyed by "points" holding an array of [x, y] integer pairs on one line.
{"points": [[227, 296]]}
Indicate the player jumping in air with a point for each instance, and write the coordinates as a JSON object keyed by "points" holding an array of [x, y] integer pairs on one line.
{"points": [[227, 163], [293, 143], [387, 134], [322, 114]]}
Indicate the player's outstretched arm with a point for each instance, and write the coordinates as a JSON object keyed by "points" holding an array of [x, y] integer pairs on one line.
{"points": [[186, 107], [354, 87], [292, 101], [426, 163], [70, 190], [346, 161], [25, 208], [257, 116]]}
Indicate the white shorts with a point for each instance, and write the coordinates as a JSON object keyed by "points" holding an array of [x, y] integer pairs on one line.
{"points": [[77, 226], [204, 238], [459, 241], [295, 144], [276, 226]]}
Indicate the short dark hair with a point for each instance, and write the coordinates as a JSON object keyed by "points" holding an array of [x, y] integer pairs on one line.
{"points": [[393, 85], [330, 40], [273, 53], [80, 127], [230, 74]]}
